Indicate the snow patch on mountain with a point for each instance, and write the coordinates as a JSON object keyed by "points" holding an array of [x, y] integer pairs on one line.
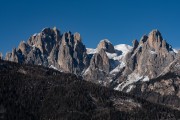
{"points": [[53, 67], [120, 51], [152, 52], [118, 68], [35, 34], [86, 71], [123, 48], [116, 58], [111, 55], [130, 88], [91, 51], [132, 78], [176, 51], [145, 79]]}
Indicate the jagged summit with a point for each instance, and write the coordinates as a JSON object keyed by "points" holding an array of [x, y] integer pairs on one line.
{"points": [[51, 48], [77, 36], [152, 52], [143, 39], [106, 45], [155, 39], [156, 32]]}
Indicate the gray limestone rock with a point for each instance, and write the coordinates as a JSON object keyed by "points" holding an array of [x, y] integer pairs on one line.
{"points": [[151, 56], [99, 67], [106, 45], [100, 61], [72, 53], [49, 48]]}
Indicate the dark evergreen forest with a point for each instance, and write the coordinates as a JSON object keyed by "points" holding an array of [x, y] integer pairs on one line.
{"points": [[29, 92]]}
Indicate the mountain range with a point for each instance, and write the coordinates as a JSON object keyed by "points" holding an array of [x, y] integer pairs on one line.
{"points": [[148, 69]]}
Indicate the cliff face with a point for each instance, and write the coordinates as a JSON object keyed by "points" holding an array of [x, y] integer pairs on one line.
{"points": [[49, 48], [150, 56]]}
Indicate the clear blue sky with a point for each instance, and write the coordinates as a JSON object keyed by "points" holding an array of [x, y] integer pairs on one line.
{"points": [[120, 21]]}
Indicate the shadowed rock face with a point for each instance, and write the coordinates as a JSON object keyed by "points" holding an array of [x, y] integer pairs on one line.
{"points": [[99, 67], [135, 44], [72, 56]]}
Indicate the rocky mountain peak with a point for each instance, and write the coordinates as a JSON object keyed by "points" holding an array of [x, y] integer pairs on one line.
{"points": [[77, 37], [45, 40], [49, 48], [72, 56], [155, 39], [106, 45], [150, 57]]}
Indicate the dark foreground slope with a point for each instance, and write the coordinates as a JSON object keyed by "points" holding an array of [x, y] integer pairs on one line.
{"points": [[37, 93], [163, 90]]}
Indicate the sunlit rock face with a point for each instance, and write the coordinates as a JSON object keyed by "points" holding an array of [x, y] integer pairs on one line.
{"points": [[65, 52], [72, 56], [150, 56]]}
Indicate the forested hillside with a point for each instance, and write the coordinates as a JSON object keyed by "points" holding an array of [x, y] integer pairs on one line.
{"points": [[30, 92]]}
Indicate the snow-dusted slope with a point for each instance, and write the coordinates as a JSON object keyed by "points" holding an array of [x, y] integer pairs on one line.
{"points": [[116, 58], [91, 51], [121, 50], [124, 48], [175, 50]]}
